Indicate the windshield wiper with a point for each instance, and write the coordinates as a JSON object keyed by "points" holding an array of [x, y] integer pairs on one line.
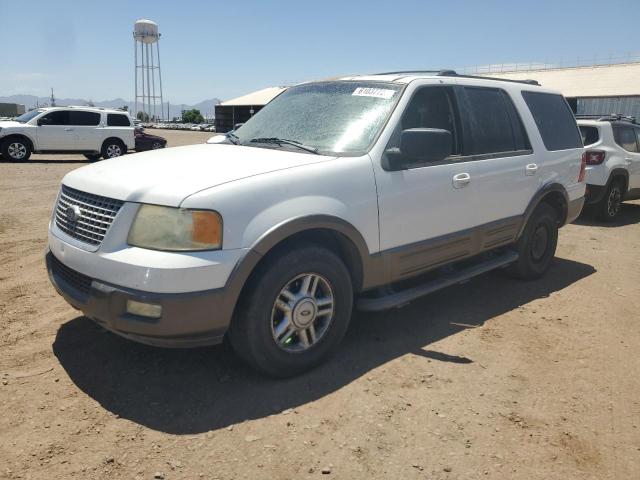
{"points": [[233, 138], [284, 141]]}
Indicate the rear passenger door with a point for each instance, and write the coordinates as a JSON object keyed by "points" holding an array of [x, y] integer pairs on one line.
{"points": [[85, 128], [506, 171]]}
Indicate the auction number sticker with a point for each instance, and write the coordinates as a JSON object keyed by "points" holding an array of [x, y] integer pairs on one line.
{"points": [[373, 92]]}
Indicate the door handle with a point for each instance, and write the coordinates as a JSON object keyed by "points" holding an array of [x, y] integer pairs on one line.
{"points": [[461, 180], [531, 169], [68, 129]]}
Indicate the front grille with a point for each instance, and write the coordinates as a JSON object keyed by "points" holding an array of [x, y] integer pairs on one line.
{"points": [[96, 215], [73, 278]]}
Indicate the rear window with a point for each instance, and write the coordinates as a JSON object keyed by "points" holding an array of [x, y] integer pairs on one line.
{"points": [[554, 119], [626, 138], [590, 135], [496, 126], [84, 118], [118, 120]]}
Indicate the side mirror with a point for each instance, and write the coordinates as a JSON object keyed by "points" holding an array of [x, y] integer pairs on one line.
{"points": [[42, 121], [238, 125], [419, 145]]}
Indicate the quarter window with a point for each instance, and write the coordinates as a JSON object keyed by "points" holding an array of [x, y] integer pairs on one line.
{"points": [[590, 135], [626, 138], [118, 120], [84, 118], [493, 123], [554, 120]]}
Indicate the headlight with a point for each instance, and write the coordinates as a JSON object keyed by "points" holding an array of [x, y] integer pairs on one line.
{"points": [[177, 229]]}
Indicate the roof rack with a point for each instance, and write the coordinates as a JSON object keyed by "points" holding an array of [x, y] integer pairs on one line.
{"points": [[453, 73], [609, 117]]}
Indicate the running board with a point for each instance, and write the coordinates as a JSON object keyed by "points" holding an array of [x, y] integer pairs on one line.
{"points": [[402, 297]]}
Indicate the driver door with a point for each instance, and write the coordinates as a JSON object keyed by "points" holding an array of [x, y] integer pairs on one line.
{"points": [[426, 210], [54, 131]]}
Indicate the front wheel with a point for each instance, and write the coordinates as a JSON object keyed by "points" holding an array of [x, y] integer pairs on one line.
{"points": [[156, 145], [294, 312], [537, 245], [16, 150], [92, 157]]}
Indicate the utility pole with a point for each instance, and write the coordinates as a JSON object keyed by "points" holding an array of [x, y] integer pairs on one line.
{"points": [[53, 100]]}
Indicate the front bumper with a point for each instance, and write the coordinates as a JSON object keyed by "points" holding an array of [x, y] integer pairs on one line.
{"points": [[187, 320]]}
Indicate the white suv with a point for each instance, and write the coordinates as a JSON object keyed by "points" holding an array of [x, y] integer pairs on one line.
{"points": [[377, 188], [92, 131], [613, 163]]}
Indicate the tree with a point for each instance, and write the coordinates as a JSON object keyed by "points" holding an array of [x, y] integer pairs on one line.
{"points": [[192, 116], [125, 108], [143, 117]]}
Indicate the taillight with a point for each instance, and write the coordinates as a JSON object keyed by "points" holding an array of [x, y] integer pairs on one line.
{"points": [[594, 157], [583, 165]]}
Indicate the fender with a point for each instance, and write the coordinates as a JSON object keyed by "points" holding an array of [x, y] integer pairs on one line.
{"points": [[20, 135], [371, 271], [549, 188]]}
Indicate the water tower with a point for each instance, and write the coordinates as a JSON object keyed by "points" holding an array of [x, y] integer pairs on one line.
{"points": [[147, 74]]}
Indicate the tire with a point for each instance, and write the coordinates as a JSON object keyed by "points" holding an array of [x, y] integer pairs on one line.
{"points": [[92, 157], [156, 145], [537, 245], [113, 148], [609, 207], [16, 150], [281, 344]]}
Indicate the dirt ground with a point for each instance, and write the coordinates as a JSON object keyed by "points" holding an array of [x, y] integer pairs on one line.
{"points": [[491, 379]]}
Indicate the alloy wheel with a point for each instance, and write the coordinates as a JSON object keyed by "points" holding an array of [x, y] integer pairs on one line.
{"points": [[614, 202], [302, 312], [17, 151], [114, 151]]}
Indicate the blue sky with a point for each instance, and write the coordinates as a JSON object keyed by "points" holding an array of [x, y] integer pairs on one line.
{"points": [[224, 49]]}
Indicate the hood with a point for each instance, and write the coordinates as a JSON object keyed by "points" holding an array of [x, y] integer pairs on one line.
{"points": [[10, 123], [168, 176]]}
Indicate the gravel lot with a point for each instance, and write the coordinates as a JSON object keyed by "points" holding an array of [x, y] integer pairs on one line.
{"points": [[491, 379]]}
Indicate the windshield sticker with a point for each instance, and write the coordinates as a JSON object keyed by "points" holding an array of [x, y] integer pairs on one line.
{"points": [[373, 92]]}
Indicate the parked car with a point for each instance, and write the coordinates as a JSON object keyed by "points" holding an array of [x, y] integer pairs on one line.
{"points": [[95, 132], [370, 190], [210, 128], [146, 141], [613, 163]]}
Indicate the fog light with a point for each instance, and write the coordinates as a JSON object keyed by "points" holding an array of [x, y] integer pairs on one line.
{"points": [[144, 309]]}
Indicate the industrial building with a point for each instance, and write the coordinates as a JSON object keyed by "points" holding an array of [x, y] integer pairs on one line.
{"points": [[239, 110], [11, 109], [590, 90]]}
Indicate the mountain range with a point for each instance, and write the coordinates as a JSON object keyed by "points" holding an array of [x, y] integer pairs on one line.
{"points": [[206, 107]]}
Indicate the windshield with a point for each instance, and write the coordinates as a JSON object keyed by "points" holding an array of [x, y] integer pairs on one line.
{"points": [[25, 117], [336, 117]]}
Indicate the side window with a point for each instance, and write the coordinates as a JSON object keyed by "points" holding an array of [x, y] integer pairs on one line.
{"points": [[58, 117], [493, 122], [554, 120], [118, 120], [84, 118], [431, 107], [626, 138]]}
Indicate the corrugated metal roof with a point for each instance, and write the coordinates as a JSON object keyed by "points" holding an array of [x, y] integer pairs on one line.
{"points": [[598, 81], [260, 97]]}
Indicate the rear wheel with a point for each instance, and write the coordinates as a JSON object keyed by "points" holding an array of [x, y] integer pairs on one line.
{"points": [[537, 245], [16, 150], [113, 148], [294, 312], [609, 207]]}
